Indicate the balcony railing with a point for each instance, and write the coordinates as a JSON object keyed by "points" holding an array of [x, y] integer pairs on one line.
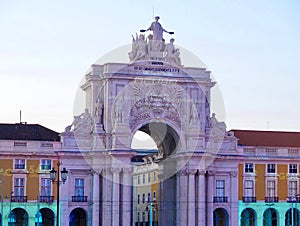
{"points": [[79, 198], [18, 198], [220, 199], [271, 199], [249, 199], [46, 199], [293, 199]]}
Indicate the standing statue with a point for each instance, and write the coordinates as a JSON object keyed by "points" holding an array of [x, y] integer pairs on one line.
{"points": [[99, 112], [157, 30]]}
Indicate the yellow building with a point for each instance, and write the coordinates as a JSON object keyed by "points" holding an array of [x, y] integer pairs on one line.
{"points": [[268, 177], [28, 151], [145, 192]]}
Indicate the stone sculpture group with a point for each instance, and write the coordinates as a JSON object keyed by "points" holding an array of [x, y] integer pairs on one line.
{"points": [[154, 47]]}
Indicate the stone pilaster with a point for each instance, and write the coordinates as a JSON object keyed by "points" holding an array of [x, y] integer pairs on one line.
{"points": [[96, 198], [116, 196], [182, 181], [201, 189], [210, 198], [106, 197], [126, 196], [234, 198], [191, 197]]}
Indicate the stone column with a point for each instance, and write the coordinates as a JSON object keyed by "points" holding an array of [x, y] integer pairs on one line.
{"points": [[191, 197], [106, 197], [234, 198], [96, 198], [210, 198], [182, 197], [201, 189], [115, 197], [126, 196]]}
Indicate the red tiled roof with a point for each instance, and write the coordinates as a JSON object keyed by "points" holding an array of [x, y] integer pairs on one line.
{"points": [[267, 138]]}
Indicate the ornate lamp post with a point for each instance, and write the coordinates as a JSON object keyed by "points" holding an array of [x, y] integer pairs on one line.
{"points": [[53, 174]]}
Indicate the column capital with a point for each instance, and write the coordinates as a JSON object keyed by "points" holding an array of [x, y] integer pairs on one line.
{"points": [[182, 172], [233, 174], [211, 173], [115, 170], [105, 172], [191, 171], [201, 172], [127, 170]]}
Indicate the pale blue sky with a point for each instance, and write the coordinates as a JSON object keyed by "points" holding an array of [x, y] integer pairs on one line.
{"points": [[252, 48]]}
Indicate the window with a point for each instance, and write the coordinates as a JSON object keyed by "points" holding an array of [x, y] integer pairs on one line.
{"points": [[45, 187], [271, 168], [138, 179], [270, 188], [138, 217], [144, 178], [220, 188], [249, 168], [143, 198], [149, 197], [248, 186], [154, 176], [79, 187], [138, 199], [19, 163], [149, 177], [154, 196], [293, 189], [293, 168], [45, 164], [19, 188]]}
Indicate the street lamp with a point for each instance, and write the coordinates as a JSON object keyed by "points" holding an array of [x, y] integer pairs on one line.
{"points": [[64, 174]]}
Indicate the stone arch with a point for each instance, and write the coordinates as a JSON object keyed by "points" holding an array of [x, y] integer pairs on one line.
{"points": [[47, 216], [165, 135], [248, 217], [270, 217], [19, 217], [78, 217], [221, 217], [295, 216]]}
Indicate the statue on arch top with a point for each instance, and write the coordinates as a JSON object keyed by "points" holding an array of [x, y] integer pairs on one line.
{"points": [[157, 30]]}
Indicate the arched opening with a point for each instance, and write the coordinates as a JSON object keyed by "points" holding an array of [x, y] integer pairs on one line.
{"points": [[221, 217], [18, 217], [165, 137], [77, 217], [270, 217], [289, 215], [167, 142], [248, 217], [47, 217]]}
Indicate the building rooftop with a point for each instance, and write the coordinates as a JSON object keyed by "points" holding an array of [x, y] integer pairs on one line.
{"points": [[23, 131], [267, 138]]}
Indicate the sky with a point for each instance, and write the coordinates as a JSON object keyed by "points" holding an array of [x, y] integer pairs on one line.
{"points": [[251, 47]]}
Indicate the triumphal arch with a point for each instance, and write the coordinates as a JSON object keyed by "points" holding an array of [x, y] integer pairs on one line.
{"points": [[156, 94]]}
